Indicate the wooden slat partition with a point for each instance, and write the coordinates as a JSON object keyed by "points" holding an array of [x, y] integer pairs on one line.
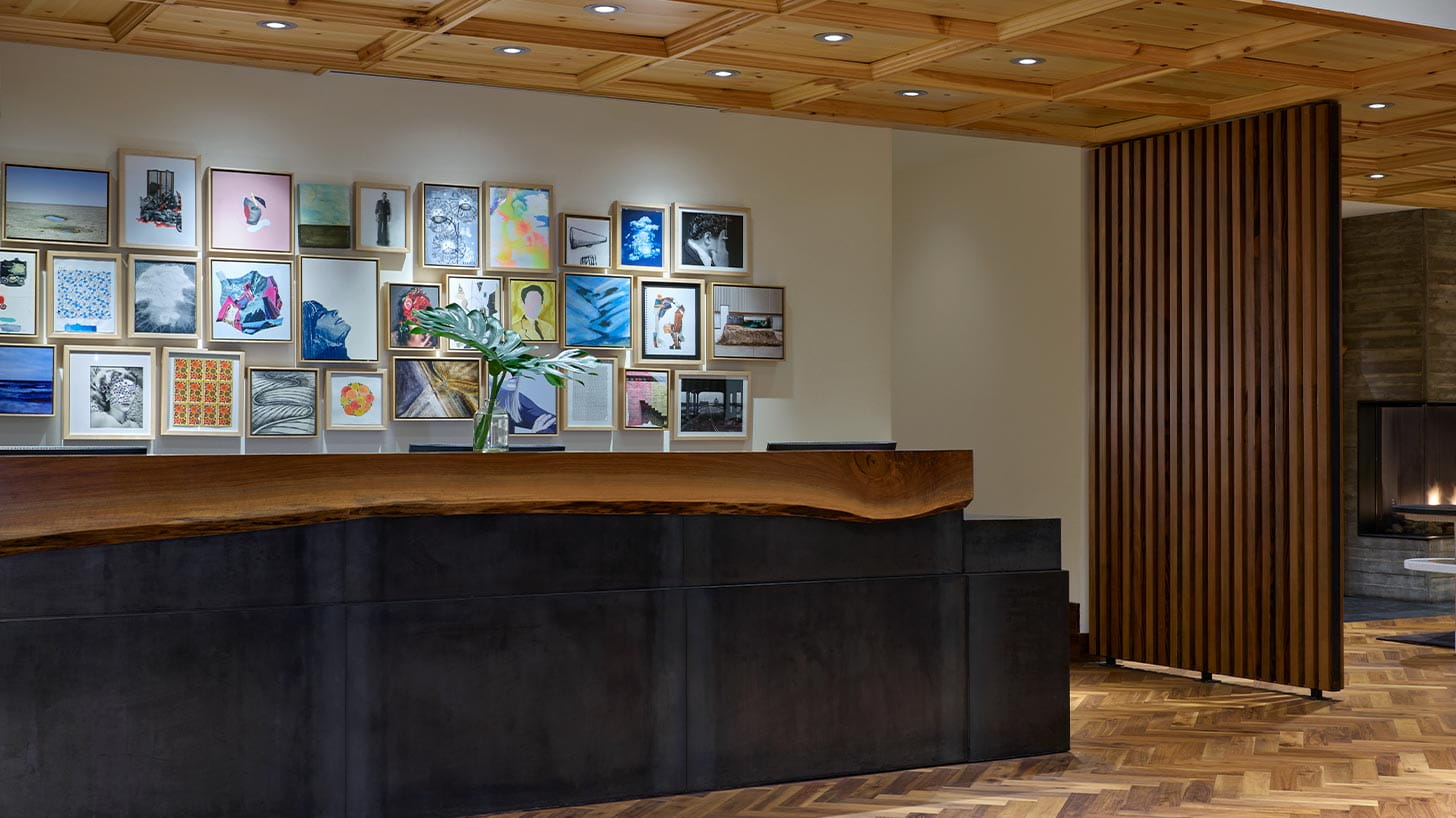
{"points": [[1215, 465]]}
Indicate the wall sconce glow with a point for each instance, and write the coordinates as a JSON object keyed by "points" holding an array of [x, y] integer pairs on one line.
{"points": [[1029, 60], [511, 49], [1378, 106], [722, 73], [277, 25], [834, 37], [605, 8], [1375, 176], [911, 92]]}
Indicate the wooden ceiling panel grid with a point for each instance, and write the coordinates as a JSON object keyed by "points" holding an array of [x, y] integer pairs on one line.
{"points": [[1112, 70]]}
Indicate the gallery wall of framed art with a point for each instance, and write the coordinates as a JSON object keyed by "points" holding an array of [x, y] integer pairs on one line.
{"points": [[568, 241]]}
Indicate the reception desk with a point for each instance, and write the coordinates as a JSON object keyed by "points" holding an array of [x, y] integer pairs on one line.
{"points": [[452, 634]]}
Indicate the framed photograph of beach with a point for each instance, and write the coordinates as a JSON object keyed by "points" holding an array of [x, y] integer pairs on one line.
{"points": [[85, 294], [19, 293], [109, 393], [48, 205], [203, 392], [27, 380], [158, 207], [165, 297], [355, 400], [381, 217], [249, 211]]}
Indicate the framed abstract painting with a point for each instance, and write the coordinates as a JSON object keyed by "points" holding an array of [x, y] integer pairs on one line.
{"points": [[586, 241], [85, 295], [596, 311], [518, 227], [711, 240], [27, 380], [645, 399], [712, 405], [474, 293], [165, 297], [283, 402], [436, 388], [400, 302], [668, 327], [355, 400], [325, 216], [202, 392], [640, 233], [747, 321], [381, 217], [338, 309], [19, 291], [109, 393], [249, 211], [249, 300], [48, 205], [159, 207], [449, 226]]}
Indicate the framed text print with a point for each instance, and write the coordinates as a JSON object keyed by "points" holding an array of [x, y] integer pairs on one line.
{"points": [[591, 400]]}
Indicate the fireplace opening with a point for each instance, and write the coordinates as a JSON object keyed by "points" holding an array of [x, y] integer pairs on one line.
{"points": [[1406, 457]]}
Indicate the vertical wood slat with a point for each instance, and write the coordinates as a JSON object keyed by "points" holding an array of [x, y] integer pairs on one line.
{"points": [[1215, 535]]}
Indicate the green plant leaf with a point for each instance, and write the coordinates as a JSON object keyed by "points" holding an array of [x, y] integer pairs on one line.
{"points": [[502, 349]]}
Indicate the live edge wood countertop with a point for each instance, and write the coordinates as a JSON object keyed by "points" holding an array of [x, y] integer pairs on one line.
{"points": [[65, 501]]}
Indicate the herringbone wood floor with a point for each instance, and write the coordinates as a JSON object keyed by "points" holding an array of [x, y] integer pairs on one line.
{"points": [[1151, 744]]}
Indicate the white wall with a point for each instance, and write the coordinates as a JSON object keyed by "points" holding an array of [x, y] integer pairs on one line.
{"points": [[818, 193], [990, 317]]}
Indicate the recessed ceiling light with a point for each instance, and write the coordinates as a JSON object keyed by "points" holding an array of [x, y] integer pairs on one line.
{"points": [[1029, 60], [722, 73], [1378, 106], [833, 37], [605, 8], [1376, 176], [911, 92], [511, 49], [277, 25]]}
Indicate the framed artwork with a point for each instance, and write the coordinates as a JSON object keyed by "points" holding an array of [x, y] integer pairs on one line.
{"points": [[249, 300], [474, 293], [533, 308], [85, 294], [27, 380], [640, 238], [748, 321], [381, 217], [354, 400], [165, 300], [436, 388], [19, 286], [532, 403], [400, 301], [283, 402], [202, 392], [338, 312], [596, 311], [711, 405], [711, 240], [325, 216], [668, 328], [159, 207], [249, 211], [645, 399], [518, 227], [592, 403], [449, 226], [109, 393], [586, 241], [57, 205]]}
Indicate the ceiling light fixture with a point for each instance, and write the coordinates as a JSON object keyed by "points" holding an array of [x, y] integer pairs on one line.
{"points": [[722, 73], [911, 92], [511, 49], [1029, 60], [1378, 106], [605, 8], [833, 37], [1376, 176], [277, 25]]}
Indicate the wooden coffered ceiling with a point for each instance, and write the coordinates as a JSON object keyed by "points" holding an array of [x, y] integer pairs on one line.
{"points": [[1113, 69]]}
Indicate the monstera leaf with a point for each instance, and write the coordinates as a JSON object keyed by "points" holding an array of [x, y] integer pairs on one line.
{"points": [[503, 350]]}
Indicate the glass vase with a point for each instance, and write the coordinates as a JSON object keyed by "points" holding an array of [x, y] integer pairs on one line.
{"points": [[492, 430]]}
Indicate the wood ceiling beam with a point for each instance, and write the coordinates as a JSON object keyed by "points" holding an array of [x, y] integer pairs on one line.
{"points": [[989, 109], [1402, 161], [440, 19], [1284, 72], [132, 18], [24, 28], [1107, 80], [1068, 11], [790, 63], [921, 57], [1348, 22], [323, 12], [1278, 98], [612, 70], [561, 37], [1431, 70], [953, 81]]}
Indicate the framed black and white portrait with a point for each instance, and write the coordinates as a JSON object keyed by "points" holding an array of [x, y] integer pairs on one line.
{"points": [[711, 240]]}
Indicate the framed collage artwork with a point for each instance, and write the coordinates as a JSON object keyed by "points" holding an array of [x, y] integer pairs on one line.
{"points": [[202, 392], [109, 393], [158, 205], [669, 324], [20, 276], [249, 211], [250, 300]]}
